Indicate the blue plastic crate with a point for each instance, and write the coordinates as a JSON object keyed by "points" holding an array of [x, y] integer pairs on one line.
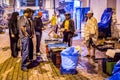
{"points": [[57, 45]]}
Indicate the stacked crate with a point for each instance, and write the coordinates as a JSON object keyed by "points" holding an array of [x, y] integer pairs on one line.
{"points": [[50, 41], [53, 49], [56, 56]]}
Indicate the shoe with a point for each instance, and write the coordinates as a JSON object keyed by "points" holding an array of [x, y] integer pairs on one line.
{"points": [[93, 57], [24, 69], [39, 59], [95, 61], [30, 60], [87, 56], [14, 56], [38, 54]]}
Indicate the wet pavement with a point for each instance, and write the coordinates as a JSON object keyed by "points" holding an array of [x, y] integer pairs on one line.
{"points": [[88, 68]]}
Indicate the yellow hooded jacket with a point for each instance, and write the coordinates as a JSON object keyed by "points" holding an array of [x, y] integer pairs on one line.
{"points": [[91, 27]]}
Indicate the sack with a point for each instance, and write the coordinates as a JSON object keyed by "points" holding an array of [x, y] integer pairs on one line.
{"points": [[69, 58]]}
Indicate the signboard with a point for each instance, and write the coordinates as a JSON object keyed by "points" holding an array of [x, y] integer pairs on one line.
{"points": [[31, 2]]}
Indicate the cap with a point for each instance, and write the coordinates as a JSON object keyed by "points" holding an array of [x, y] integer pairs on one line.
{"points": [[90, 12], [39, 13], [67, 13], [28, 10]]}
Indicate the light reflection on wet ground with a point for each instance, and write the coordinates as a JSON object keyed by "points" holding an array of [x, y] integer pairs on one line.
{"points": [[86, 66]]}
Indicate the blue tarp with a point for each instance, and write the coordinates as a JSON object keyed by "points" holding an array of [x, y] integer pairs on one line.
{"points": [[105, 18], [105, 21], [104, 25], [58, 45]]}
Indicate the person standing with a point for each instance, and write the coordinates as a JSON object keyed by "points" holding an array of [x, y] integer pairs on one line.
{"points": [[14, 33], [38, 31], [53, 22], [25, 34], [91, 32], [31, 22], [69, 29]]}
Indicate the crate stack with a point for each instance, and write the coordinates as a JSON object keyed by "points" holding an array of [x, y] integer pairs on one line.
{"points": [[53, 50]]}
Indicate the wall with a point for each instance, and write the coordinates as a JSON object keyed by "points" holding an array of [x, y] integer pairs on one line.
{"points": [[57, 3], [95, 6], [98, 7], [85, 3], [49, 7], [0, 2], [118, 11], [111, 3], [11, 2]]}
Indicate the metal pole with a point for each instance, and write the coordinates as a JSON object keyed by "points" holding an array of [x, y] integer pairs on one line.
{"points": [[89, 2], [2, 2], [36, 3], [43, 4], [14, 3], [80, 13], [54, 5], [40, 4]]}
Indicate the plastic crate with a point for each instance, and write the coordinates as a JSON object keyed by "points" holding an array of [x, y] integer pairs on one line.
{"points": [[109, 67]]}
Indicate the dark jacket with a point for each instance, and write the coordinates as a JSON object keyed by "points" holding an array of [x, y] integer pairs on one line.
{"points": [[13, 29], [38, 24], [71, 26]]}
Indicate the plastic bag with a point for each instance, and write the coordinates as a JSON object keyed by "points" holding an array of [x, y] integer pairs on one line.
{"points": [[69, 58]]}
